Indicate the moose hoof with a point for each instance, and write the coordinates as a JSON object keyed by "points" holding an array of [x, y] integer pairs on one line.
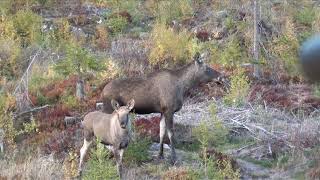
{"points": [[79, 172], [173, 160], [160, 156]]}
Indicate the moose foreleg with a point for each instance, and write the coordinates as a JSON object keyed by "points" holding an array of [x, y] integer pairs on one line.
{"points": [[170, 129], [118, 153], [83, 152], [162, 134]]}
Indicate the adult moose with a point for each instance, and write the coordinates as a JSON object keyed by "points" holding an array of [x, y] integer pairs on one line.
{"points": [[160, 92]]}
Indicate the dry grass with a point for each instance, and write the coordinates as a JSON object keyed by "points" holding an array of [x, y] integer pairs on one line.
{"points": [[130, 55], [45, 167]]}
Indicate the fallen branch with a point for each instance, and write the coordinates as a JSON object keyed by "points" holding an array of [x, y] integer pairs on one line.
{"points": [[271, 134], [32, 110]]}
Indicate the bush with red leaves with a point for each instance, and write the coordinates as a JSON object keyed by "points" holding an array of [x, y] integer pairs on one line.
{"points": [[288, 97], [61, 141], [52, 118], [149, 128], [203, 35]]}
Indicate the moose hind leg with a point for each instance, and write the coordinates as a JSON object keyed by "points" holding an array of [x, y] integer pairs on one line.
{"points": [[170, 129], [83, 152], [162, 134]]}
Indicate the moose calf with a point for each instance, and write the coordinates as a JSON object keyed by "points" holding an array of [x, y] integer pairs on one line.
{"points": [[111, 129]]}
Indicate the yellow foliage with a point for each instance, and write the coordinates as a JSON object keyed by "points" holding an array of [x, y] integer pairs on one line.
{"points": [[9, 53], [7, 28], [168, 10], [286, 47], [112, 70], [27, 25], [62, 32], [101, 38], [7, 102], [70, 165], [169, 45]]}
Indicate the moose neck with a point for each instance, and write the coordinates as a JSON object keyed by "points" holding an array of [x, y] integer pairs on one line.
{"points": [[187, 77]]}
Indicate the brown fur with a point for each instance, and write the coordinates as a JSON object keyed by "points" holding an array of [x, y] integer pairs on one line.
{"points": [[160, 92], [111, 129]]}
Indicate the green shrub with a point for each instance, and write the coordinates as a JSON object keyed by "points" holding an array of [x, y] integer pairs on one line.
{"points": [[232, 54], [305, 16], [99, 166], [32, 126], [4, 6], [304, 35], [28, 26], [316, 89], [286, 48], [78, 61], [117, 24], [62, 32], [10, 53], [42, 100], [133, 8], [239, 89], [216, 135], [43, 2], [219, 136], [69, 100], [169, 47], [41, 77], [229, 23], [137, 151], [167, 10], [6, 118]]}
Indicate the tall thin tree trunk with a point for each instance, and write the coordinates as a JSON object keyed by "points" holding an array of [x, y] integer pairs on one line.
{"points": [[256, 40], [80, 89]]}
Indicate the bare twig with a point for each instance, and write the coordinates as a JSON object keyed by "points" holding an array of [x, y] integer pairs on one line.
{"points": [[32, 110]]}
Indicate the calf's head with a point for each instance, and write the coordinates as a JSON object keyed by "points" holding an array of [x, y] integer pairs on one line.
{"points": [[122, 112]]}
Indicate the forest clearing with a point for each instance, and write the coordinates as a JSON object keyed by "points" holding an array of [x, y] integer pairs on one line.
{"points": [[215, 89]]}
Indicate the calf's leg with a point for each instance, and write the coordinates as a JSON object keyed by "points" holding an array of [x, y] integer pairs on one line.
{"points": [[118, 153], [162, 134], [1, 147], [83, 152]]}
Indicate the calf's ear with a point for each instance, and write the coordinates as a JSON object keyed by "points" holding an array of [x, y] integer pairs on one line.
{"points": [[130, 104], [115, 105]]}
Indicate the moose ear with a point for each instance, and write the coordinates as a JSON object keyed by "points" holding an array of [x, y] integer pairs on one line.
{"points": [[130, 104], [115, 105]]}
